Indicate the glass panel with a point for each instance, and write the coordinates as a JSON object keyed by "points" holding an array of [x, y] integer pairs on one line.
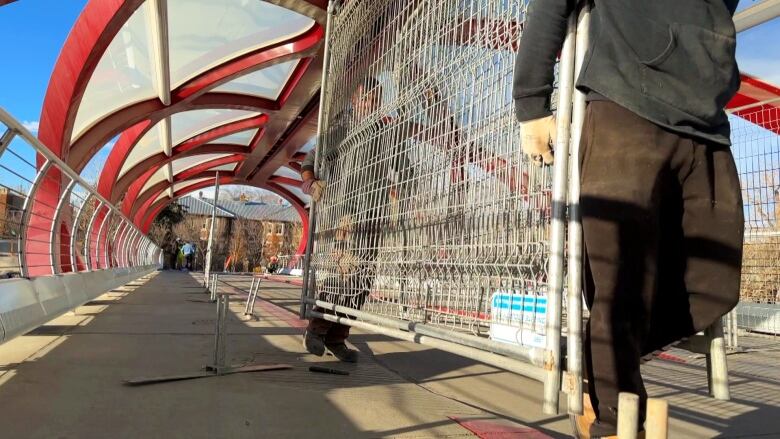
{"points": [[94, 168], [160, 175], [148, 146], [266, 83], [188, 162], [122, 77], [183, 184], [240, 138], [287, 172], [191, 123], [228, 167], [297, 192], [164, 194], [206, 33]]}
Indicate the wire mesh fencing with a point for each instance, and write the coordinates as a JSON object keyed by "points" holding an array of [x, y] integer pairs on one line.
{"points": [[756, 146], [433, 220]]}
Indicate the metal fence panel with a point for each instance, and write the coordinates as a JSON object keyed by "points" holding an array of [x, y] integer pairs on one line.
{"points": [[756, 146], [432, 219]]}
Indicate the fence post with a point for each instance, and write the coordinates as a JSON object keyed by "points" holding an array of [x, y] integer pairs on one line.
{"points": [[574, 292], [628, 415], [552, 384], [308, 278], [717, 368]]}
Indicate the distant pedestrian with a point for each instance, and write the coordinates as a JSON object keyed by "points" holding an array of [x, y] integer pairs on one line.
{"points": [[189, 254]]}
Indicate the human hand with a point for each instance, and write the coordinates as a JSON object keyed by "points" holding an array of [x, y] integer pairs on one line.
{"points": [[314, 188], [537, 137]]}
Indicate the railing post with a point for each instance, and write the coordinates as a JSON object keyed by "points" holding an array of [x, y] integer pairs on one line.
{"points": [[574, 291]]}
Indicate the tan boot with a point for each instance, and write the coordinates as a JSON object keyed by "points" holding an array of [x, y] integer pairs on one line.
{"points": [[581, 423]]}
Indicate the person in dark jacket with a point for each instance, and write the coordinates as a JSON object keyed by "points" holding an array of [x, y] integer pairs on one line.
{"points": [[660, 195], [365, 167]]}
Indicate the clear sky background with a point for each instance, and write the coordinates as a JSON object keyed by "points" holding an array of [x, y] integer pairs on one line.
{"points": [[33, 32]]}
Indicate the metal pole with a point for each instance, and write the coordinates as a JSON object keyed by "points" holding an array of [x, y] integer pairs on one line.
{"points": [[717, 368], [534, 356], [207, 268], [54, 239], [628, 415], [558, 227], [88, 236], [27, 213], [756, 15], [220, 338], [506, 363], [657, 419], [574, 291], [308, 277]]}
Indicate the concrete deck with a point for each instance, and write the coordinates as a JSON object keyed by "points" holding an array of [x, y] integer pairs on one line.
{"points": [[64, 380]]}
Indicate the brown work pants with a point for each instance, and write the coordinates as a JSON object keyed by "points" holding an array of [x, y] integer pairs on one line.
{"points": [[663, 228]]}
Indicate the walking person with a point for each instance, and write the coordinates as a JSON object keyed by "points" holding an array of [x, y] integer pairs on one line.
{"points": [[660, 196], [189, 254]]}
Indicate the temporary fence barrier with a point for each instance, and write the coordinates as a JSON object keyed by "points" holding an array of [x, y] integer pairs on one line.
{"points": [[434, 227]]}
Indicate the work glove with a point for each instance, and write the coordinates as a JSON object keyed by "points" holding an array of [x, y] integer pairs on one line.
{"points": [[537, 137], [314, 188]]}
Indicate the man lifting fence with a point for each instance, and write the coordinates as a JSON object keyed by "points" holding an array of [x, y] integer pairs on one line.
{"points": [[369, 193], [660, 197]]}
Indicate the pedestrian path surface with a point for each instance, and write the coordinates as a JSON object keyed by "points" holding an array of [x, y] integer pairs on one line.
{"points": [[64, 380]]}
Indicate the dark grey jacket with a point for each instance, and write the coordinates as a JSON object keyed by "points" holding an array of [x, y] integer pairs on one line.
{"points": [[669, 61]]}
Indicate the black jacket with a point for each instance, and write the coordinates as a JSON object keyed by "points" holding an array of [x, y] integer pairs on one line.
{"points": [[671, 62]]}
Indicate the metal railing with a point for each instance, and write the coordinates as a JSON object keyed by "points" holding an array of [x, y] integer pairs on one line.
{"points": [[52, 220]]}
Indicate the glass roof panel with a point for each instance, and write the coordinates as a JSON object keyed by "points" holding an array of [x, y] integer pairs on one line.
{"points": [[228, 167], [297, 192], [164, 194], [123, 75], [160, 175], [240, 138], [147, 146], [267, 83], [206, 33], [191, 123], [284, 171], [183, 184], [188, 162]]}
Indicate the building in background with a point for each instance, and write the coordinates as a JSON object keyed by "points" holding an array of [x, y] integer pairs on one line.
{"points": [[247, 233]]}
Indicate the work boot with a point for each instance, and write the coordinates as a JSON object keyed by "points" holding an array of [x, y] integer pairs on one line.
{"points": [[586, 426], [314, 344], [581, 423], [342, 352]]}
